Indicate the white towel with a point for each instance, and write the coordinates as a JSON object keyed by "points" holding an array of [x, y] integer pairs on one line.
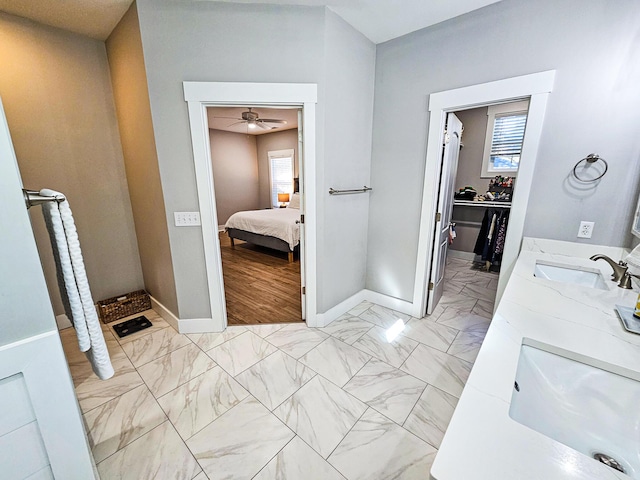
{"points": [[73, 283]]}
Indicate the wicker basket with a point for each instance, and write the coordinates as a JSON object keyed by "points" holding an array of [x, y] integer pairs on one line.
{"points": [[122, 306]]}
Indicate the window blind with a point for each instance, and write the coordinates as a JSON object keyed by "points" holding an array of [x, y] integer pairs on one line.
{"points": [[281, 177], [508, 133]]}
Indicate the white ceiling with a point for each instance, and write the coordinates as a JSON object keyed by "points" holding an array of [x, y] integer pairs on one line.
{"points": [[217, 123], [382, 20], [378, 20]]}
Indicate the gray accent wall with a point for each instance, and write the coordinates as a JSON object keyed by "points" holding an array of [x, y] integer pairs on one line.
{"points": [[128, 77], [235, 173], [269, 142], [594, 108], [207, 41], [59, 104]]}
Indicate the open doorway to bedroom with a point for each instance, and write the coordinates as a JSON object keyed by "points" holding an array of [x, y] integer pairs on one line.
{"points": [[255, 164]]}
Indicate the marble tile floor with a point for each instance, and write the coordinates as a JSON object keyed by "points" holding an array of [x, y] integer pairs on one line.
{"points": [[285, 401]]}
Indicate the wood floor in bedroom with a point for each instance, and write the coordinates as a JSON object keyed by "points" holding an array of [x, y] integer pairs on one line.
{"points": [[260, 284]]}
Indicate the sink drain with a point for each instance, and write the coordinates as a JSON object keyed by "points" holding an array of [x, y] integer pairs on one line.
{"points": [[608, 461]]}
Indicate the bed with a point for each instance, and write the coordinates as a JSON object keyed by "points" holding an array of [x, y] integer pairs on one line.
{"points": [[275, 228]]}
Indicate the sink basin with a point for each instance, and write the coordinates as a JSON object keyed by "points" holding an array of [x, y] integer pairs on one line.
{"points": [[587, 408], [569, 274]]}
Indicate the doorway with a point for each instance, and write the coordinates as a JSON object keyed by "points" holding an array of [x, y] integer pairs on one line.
{"points": [[480, 162], [536, 87], [256, 164], [199, 96]]}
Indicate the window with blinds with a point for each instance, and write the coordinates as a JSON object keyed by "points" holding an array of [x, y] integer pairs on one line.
{"points": [[281, 174], [506, 124], [506, 144]]}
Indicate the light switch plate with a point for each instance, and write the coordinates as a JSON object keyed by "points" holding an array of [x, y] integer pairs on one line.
{"points": [[187, 219]]}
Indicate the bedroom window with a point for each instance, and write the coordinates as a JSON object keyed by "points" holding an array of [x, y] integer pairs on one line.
{"points": [[503, 142], [280, 173]]}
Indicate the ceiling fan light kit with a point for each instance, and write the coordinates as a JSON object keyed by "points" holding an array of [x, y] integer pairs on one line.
{"points": [[253, 120]]}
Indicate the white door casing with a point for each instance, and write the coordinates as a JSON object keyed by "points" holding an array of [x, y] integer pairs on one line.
{"points": [[301, 176], [536, 87], [444, 207], [199, 96]]}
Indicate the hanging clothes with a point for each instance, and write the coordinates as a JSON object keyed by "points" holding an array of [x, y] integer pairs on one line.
{"points": [[490, 241]]}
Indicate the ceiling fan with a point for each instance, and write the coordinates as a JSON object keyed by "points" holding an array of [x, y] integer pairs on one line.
{"points": [[253, 120]]}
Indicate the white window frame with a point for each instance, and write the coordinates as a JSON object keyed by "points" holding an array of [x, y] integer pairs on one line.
{"points": [[503, 109], [288, 153]]}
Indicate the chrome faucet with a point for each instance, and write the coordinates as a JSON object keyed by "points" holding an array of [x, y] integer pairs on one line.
{"points": [[620, 273]]}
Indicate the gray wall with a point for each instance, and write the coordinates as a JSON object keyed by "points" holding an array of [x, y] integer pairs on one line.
{"points": [[128, 77], [235, 173], [593, 108], [59, 104], [350, 70], [261, 43], [469, 169], [269, 142], [210, 41], [470, 159]]}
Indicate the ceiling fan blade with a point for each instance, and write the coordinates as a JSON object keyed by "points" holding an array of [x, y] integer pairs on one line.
{"points": [[260, 124], [237, 123], [273, 120], [230, 118]]}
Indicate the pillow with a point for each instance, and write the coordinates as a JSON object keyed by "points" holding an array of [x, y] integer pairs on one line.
{"points": [[295, 201]]}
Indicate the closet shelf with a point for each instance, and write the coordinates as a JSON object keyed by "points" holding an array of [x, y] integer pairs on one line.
{"points": [[471, 203]]}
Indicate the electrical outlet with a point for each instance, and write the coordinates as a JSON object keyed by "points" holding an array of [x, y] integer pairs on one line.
{"points": [[187, 219], [586, 229]]}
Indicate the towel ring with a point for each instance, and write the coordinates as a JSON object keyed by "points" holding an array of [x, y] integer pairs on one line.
{"points": [[591, 158]]}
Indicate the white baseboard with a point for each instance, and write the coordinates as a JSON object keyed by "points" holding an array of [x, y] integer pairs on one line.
{"points": [[198, 325], [63, 322], [195, 325], [182, 325], [462, 255], [324, 319], [165, 313], [220, 228], [393, 303], [402, 306]]}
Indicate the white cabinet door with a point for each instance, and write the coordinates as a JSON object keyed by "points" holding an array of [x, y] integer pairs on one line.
{"points": [[41, 430]]}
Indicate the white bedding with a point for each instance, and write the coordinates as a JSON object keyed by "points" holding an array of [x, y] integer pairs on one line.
{"points": [[274, 222]]}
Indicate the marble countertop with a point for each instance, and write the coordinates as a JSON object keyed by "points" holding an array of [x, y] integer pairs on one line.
{"points": [[482, 441]]}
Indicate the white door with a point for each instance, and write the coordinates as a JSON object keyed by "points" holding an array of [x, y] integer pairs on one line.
{"points": [[41, 430], [302, 204], [444, 209]]}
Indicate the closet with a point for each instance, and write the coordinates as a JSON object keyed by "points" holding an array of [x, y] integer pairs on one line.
{"points": [[485, 177]]}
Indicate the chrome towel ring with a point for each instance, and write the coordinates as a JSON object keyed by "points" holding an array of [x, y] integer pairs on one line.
{"points": [[590, 159]]}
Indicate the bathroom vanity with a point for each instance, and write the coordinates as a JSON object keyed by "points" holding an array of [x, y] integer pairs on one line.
{"points": [[557, 380]]}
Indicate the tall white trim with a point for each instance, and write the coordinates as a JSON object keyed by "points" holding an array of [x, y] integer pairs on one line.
{"points": [[200, 95], [536, 86]]}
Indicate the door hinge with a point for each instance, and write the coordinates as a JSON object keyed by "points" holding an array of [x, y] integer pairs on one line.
{"points": [[302, 218], [447, 138], [438, 217], [430, 285], [304, 290]]}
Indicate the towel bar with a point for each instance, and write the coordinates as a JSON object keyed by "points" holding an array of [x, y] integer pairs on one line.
{"points": [[33, 197], [365, 189]]}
